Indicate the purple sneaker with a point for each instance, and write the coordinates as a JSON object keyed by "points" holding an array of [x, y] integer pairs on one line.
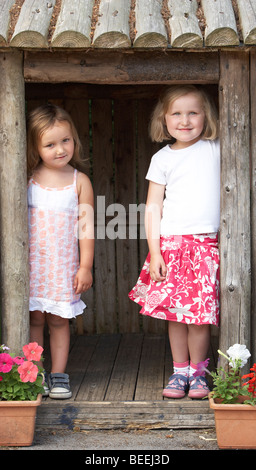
{"points": [[176, 387]]}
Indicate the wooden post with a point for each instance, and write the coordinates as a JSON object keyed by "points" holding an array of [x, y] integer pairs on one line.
{"points": [[253, 198], [235, 199], [13, 218]]}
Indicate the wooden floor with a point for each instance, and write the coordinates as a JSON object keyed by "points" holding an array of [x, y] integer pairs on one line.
{"points": [[117, 382]]}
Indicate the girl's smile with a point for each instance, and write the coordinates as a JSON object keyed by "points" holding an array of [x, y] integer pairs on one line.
{"points": [[185, 120], [56, 146]]}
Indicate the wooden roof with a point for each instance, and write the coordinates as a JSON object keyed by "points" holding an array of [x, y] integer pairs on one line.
{"points": [[45, 24]]}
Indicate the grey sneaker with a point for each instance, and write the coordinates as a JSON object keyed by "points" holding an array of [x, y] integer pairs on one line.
{"points": [[59, 386], [45, 385]]}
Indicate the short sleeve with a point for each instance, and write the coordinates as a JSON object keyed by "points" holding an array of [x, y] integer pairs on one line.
{"points": [[156, 171]]}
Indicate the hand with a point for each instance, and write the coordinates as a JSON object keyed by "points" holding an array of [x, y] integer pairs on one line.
{"points": [[157, 268], [83, 280]]}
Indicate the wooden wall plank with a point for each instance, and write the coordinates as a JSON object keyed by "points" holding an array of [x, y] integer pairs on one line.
{"points": [[185, 30], [78, 108], [32, 27], [103, 184], [150, 28], [221, 27], [13, 200], [73, 26], [112, 28], [145, 150], [125, 194], [235, 200]]}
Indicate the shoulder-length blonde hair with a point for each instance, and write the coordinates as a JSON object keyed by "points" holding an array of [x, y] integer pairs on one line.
{"points": [[158, 129], [41, 119]]}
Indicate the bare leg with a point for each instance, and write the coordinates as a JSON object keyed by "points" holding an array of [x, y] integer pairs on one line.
{"points": [[178, 337], [198, 342], [59, 342], [37, 321]]}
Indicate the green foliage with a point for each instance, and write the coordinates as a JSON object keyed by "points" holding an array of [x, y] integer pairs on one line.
{"points": [[227, 385], [12, 388]]}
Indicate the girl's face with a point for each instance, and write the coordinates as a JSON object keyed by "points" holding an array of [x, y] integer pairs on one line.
{"points": [[56, 145], [185, 120]]}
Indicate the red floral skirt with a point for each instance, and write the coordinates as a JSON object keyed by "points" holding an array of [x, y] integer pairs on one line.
{"points": [[190, 292]]}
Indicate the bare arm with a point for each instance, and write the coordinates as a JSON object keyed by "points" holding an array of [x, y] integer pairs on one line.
{"points": [[153, 215], [83, 279]]}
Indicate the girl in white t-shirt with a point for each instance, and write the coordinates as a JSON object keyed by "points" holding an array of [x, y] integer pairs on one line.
{"points": [[179, 281]]}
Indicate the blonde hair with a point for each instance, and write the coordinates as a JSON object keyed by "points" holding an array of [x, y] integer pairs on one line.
{"points": [[158, 129], [39, 121]]}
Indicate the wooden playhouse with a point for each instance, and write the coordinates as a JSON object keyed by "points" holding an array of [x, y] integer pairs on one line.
{"points": [[106, 61]]}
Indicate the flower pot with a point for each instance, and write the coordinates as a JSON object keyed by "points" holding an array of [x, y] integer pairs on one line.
{"points": [[17, 422], [235, 425]]}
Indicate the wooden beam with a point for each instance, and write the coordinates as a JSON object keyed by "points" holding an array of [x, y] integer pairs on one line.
{"points": [[13, 218], [235, 199], [116, 67]]}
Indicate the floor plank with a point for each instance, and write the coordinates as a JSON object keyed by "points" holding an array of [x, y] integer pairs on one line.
{"points": [[97, 376], [124, 375], [151, 371], [117, 382]]}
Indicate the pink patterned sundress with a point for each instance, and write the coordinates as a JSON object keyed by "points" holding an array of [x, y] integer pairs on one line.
{"points": [[53, 253], [190, 292]]}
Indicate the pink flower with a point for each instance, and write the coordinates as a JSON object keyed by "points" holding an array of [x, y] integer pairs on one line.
{"points": [[201, 368], [18, 360], [28, 372], [32, 351], [6, 362]]}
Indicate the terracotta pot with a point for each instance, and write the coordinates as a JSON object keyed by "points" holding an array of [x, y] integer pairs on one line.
{"points": [[17, 422], [235, 425]]}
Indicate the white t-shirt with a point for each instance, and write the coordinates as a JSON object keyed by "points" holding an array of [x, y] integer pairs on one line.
{"points": [[192, 194]]}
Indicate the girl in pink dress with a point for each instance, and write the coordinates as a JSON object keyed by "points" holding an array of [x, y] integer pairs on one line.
{"points": [[58, 227], [179, 281]]}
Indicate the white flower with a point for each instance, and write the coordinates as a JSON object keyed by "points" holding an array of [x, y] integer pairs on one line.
{"points": [[238, 351]]}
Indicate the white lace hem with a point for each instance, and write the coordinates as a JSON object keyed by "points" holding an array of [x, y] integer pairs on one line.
{"points": [[62, 309]]}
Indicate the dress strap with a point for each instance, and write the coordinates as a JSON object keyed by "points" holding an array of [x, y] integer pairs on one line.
{"points": [[75, 180]]}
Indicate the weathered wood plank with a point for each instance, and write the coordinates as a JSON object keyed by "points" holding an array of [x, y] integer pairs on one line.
{"points": [[221, 27], [4, 20], [113, 67], [79, 358], [235, 253], [247, 15], [100, 360], [145, 150], [73, 26], [253, 201], [180, 414], [150, 28], [124, 374], [78, 108], [32, 27], [103, 181], [112, 28], [185, 30], [13, 216], [96, 379], [151, 375], [125, 191]]}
